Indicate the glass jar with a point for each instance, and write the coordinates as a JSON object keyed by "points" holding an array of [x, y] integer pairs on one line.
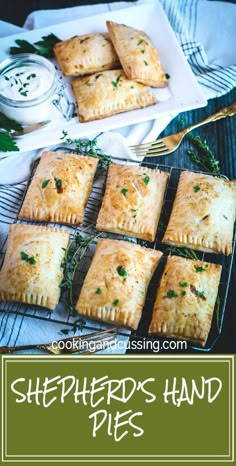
{"points": [[28, 88]]}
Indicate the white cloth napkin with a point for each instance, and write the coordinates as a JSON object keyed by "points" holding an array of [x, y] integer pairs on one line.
{"points": [[206, 31]]}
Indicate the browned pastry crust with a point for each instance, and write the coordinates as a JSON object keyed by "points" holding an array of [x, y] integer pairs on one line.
{"points": [[203, 214], [185, 300], [86, 54], [132, 201], [107, 93], [116, 284], [138, 56], [60, 188], [36, 282]]}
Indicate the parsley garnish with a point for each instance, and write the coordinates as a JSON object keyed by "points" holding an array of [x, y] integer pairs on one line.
{"points": [[83, 40], [171, 294], [43, 47], [88, 83], [98, 291], [58, 184], [131, 87], [183, 284], [183, 293], [196, 189], [25, 257], [142, 51], [116, 302], [124, 191], [146, 179], [45, 183], [145, 62], [226, 218], [7, 144], [167, 76], [121, 271], [115, 83], [198, 268]]}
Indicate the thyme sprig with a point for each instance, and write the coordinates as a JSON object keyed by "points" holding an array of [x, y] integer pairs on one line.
{"points": [[88, 147], [202, 155], [73, 259], [183, 252]]}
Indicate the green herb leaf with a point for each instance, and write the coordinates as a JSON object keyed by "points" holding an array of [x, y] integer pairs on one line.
{"points": [[25, 257], [121, 271], [43, 47], [198, 269], [140, 42], [167, 76], [196, 189], [226, 218], [116, 302], [171, 294], [7, 144], [115, 83], [146, 180], [131, 87], [23, 47], [124, 191], [145, 62], [8, 124], [183, 284], [183, 293], [98, 291], [45, 183], [83, 40]]}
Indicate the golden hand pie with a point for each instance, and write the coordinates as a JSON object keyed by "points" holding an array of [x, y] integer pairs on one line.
{"points": [[86, 54], [185, 300], [138, 56], [203, 214], [107, 93], [60, 188], [32, 272], [116, 284], [132, 201]]}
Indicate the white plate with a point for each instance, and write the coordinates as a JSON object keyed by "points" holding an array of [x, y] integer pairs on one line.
{"points": [[183, 92]]}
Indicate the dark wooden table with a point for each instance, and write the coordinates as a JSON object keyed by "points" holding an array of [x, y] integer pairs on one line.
{"points": [[221, 138]]}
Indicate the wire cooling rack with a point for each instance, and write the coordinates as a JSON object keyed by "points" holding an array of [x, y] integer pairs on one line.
{"points": [[61, 313]]}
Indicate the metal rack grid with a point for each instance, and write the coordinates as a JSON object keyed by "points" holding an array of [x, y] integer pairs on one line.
{"points": [[61, 315]]}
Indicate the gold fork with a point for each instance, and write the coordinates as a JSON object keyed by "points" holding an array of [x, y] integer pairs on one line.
{"points": [[90, 343], [170, 143]]}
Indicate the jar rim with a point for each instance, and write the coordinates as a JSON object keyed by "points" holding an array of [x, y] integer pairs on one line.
{"points": [[29, 58]]}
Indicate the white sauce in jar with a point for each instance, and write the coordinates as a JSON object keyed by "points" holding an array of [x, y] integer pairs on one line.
{"points": [[25, 83]]}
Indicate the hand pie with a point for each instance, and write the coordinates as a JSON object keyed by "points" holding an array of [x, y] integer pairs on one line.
{"points": [[60, 188], [116, 284], [203, 214], [185, 300], [132, 201], [86, 54], [138, 56], [32, 271], [108, 93]]}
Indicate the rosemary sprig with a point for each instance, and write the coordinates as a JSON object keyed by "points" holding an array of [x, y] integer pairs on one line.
{"points": [[78, 324], [88, 147]]}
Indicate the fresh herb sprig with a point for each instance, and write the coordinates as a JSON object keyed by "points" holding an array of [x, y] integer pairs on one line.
{"points": [[183, 252], [202, 155], [43, 47], [88, 147], [73, 259], [7, 144]]}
